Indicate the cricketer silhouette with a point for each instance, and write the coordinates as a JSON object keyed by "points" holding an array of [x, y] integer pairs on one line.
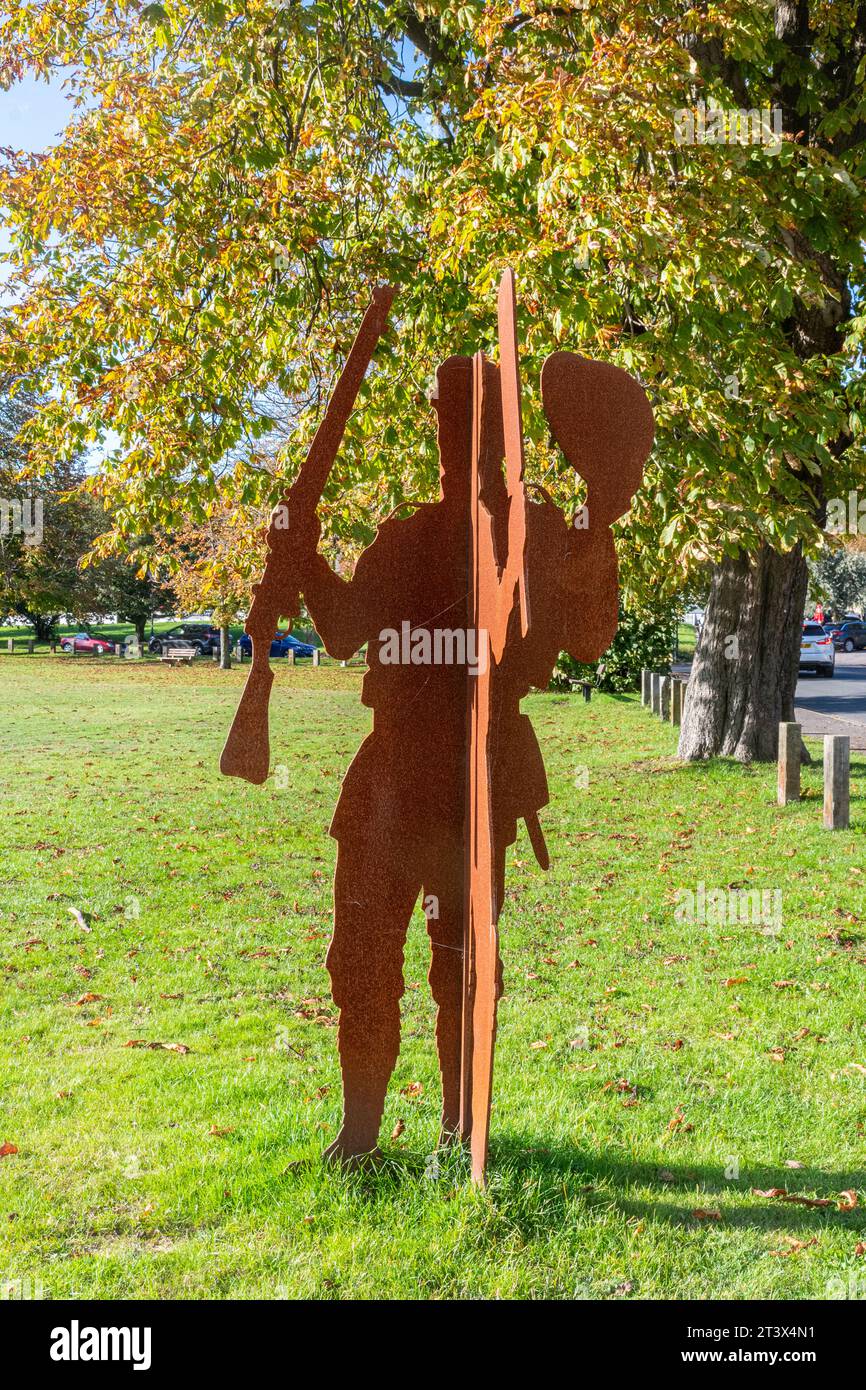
{"points": [[464, 605]]}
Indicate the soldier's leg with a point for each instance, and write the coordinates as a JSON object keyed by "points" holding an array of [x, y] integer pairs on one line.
{"points": [[372, 906], [444, 907]]}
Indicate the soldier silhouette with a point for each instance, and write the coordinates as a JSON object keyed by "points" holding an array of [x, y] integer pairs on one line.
{"points": [[400, 819]]}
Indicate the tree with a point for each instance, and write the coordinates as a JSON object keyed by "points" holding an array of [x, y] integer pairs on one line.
{"points": [[838, 577], [123, 585], [192, 258], [46, 526], [213, 563]]}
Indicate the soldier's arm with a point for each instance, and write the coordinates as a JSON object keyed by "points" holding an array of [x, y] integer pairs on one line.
{"points": [[347, 612], [336, 608]]}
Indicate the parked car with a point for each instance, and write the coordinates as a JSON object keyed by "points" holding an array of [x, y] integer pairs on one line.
{"points": [[817, 650], [203, 636], [848, 636], [281, 646], [83, 642]]}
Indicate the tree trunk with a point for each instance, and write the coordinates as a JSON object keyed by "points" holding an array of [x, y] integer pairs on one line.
{"points": [[140, 625], [43, 624], [225, 649], [745, 669]]}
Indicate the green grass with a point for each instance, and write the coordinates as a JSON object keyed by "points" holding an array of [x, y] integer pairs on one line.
{"points": [[685, 640], [151, 1173]]}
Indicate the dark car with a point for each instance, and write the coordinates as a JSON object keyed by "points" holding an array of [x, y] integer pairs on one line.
{"points": [[203, 636], [848, 637], [281, 646]]}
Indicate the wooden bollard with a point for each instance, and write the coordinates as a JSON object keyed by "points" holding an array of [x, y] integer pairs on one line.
{"points": [[677, 691], [290, 656], [10, 645], [316, 655], [646, 687], [790, 759], [587, 691], [31, 645], [837, 766], [656, 692], [665, 697]]}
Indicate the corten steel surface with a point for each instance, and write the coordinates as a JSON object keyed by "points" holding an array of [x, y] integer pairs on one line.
{"points": [[433, 797], [247, 749]]}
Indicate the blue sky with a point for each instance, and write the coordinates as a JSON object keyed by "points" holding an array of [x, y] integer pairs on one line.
{"points": [[32, 115]]}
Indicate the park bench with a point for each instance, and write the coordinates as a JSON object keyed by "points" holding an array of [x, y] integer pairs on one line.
{"points": [[177, 653]]}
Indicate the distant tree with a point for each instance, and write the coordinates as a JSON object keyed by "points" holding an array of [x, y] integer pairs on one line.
{"points": [[214, 561], [124, 585], [838, 578]]}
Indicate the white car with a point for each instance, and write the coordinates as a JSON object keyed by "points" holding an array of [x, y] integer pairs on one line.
{"points": [[817, 650]]}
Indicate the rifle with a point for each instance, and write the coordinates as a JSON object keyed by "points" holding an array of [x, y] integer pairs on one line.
{"points": [[247, 749]]}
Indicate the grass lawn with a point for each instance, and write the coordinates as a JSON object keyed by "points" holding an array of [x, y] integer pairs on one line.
{"points": [[648, 1069]]}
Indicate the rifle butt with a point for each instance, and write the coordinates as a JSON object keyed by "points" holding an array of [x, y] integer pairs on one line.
{"points": [[247, 751]]}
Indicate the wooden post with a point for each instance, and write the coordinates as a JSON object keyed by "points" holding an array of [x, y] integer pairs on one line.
{"points": [[316, 656], [10, 645], [677, 691], [587, 691], [790, 758], [290, 656], [665, 697], [646, 687], [656, 692], [31, 645], [837, 762]]}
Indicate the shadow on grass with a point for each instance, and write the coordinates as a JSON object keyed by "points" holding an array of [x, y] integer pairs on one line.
{"points": [[538, 1184]]}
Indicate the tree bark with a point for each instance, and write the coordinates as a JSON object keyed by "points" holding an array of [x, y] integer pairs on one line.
{"points": [[745, 667], [225, 649]]}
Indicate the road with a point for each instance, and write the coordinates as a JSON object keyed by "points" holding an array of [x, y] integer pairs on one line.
{"points": [[829, 706], [836, 706]]}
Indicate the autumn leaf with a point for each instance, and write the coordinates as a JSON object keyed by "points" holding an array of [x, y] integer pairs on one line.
{"points": [[414, 1090], [397, 1130], [707, 1214], [794, 1246], [6, 1150]]}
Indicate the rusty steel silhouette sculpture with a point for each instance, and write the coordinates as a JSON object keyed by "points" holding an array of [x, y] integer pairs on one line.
{"points": [[464, 606]]}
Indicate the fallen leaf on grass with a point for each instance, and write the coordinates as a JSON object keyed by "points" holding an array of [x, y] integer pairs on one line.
{"points": [[776, 1054], [216, 1133], [88, 999], [848, 1200], [707, 1214], [860, 1248], [80, 919], [414, 1090], [6, 1150], [735, 980], [155, 1046], [794, 1246], [794, 1163], [397, 1130], [769, 1192]]}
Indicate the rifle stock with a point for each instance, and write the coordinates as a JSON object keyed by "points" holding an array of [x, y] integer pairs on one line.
{"points": [[247, 750]]}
